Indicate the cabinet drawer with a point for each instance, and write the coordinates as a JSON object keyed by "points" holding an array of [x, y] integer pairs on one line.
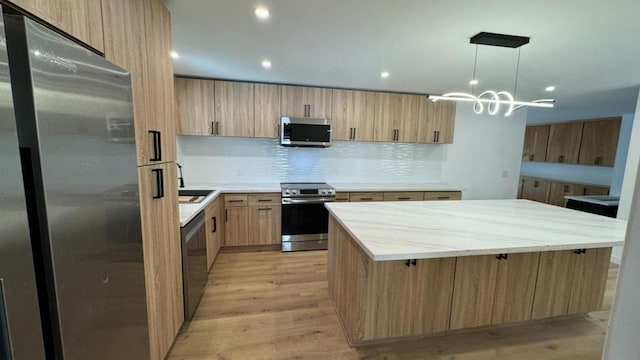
{"points": [[404, 196], [264, 199], [442, 195], [366, 196], [342, 197], [235, 200]]}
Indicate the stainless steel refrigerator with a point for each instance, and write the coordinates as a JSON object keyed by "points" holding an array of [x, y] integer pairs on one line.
{"points": [[71, 263]]}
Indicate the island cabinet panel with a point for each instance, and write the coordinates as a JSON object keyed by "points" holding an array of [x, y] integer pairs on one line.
{"points": [[267, 110], [515, 286], [536, 139], [352, 115], [404, 196], [536, 190], [553, 286], [600, 142], [564, 142], [234, 109], [589, 280], [473, 291], [194, 99]]}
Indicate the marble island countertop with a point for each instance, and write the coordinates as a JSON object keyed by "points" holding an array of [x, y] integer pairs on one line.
{"points": [[436, 229], [189, 211]]}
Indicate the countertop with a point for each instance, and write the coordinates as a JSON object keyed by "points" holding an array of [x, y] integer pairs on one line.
{"points": [[189, 211], [436, 229], [605, 200]]}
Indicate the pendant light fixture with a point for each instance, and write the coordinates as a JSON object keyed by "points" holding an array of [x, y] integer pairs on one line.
{"points": [[493, 100]]}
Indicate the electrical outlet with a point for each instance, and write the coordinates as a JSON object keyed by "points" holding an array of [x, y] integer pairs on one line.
{"points": [[505, 173]]}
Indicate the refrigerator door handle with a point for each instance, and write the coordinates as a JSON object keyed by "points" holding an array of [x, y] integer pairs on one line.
{"points": [[159, 183], [157, 145]]}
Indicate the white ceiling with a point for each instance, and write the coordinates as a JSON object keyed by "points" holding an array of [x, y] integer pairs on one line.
{"points": [[583, 47]]}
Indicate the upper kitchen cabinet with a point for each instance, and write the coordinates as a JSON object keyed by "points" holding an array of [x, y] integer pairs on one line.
{"points": [[234, 108], [536, 139], [352, 115], [194, 99], [267, 110], [137, 37], [564, 142], [303, 101], [396, 117], [600, 142], [436, 121], [81, 19]]}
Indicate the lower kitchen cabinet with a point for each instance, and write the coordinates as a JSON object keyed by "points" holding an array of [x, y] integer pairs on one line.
{"points": [[214, 227], [559, 190], [404, 196], [442, 195], [535, 189], [342, 197], [162, 254], [515, 286], [553, 192], [236, 226], [366, 196], [252, 219], [473, 291], [265, 226]]}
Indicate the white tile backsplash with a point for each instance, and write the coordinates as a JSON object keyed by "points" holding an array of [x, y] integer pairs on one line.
{"points": [[247, 160]]}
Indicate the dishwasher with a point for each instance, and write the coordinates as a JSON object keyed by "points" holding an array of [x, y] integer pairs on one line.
{"points": [[194, 263]]}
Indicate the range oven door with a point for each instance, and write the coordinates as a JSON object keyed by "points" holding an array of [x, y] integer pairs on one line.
{"points": [[305, 224]]}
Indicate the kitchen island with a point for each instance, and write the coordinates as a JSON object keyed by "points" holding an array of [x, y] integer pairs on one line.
{"points": [[409, 269]]}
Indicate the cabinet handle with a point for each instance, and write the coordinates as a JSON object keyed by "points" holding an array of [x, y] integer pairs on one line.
{"points": [[212, 132], [226, 215], [408, 263], [214, 224], [235, 201], [217, 128], [414, 262], [366, 199], [536, 183], [159, 183], [444, 197], [561, 158], [434, 136], [580, 251], [566, 188], [354, 133], [265, 200], [438, 136], [598, 160], [502, 256], [404, 198], [157, 145], [265, 209], [531, 157]]}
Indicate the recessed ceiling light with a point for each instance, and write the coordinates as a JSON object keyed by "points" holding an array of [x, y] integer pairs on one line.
{"points": [[550, 88], [384, 74], [261, 12], [175, 55], [473, 82], [266, 64]]}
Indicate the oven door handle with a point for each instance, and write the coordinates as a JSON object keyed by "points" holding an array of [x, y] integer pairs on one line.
{"points": [[287, 201]]}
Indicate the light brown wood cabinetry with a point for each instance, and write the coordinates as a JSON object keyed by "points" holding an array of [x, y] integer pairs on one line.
{"points": [[515, 286], [396, 117], [564, 142], [559, 190], [162, 255], [589, 280], [595, 190], [352, 115], [473, 291], [194, 99], [214, 226], [536, 140], [81, 19], [342, 196], [553, 287], [536, 189], [234, 108], [236, 226], [253, 219], [436, 121], [366, 196], [404, 196], [442, 195], [600, 142], [304, 101], [267, 110], [265, 223]]}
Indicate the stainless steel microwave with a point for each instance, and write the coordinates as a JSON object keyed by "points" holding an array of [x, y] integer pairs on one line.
{"points": [[305, 132]]}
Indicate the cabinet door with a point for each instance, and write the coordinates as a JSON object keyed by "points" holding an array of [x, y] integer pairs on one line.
{"points": [[559, 190], [236, 226], [160, 83], [407, 118], [564, 142], [589, 280], [536, 139], [352, 115], [293, 101], [194, 99], [319, 102], [342, 197], [473, 291], [442, 195], [234, 108], [404, 196], [536, 190], [265, 223], [386, 108], [594, 190], [600, 142], [81, 19], [553, 286], [515, 286], [436, 121], [267, 110], [366, 196], [162, 255], [213, 220], [431, 295]]}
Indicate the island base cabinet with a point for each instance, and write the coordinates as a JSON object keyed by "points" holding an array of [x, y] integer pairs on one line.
{"points": [[589, 280], [515, 287], [473, 291]]}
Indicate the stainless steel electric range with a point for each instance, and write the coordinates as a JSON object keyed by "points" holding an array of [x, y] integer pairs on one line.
{"points": [[305, 220]]}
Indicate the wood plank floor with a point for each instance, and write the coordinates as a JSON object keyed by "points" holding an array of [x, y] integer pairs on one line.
{"points": [[270, 305]]}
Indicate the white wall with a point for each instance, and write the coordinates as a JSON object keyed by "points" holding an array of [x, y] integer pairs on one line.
{"points": [[484, 146]]}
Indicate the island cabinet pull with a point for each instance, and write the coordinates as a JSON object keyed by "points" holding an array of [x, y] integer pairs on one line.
{"points": [[413, 262], [580, 251], [502, 256], [408, 263]]}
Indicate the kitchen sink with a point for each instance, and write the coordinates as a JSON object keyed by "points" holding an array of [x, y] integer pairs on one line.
{"points": [[192, 196]]}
